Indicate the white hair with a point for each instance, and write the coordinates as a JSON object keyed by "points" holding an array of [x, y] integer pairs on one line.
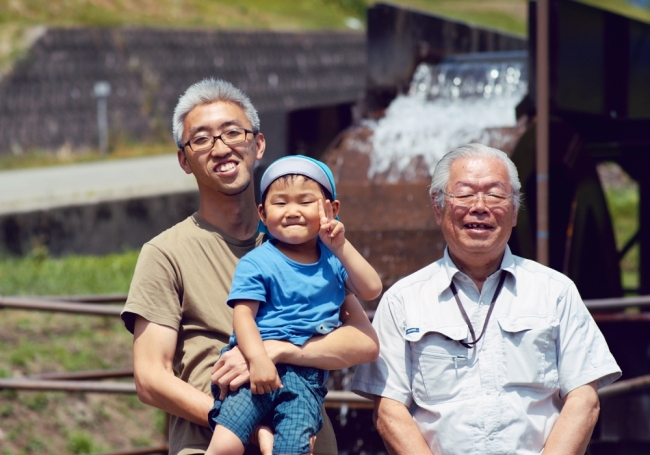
{"points": [[208, 91], [442, 172]]}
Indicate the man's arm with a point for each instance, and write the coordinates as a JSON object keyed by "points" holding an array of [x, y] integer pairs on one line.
{"points": [[353, 343], [398, 429], [153, 352], [572, 430]]}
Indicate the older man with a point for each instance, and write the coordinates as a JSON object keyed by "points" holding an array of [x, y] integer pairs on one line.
{"points": [[177, 308], [483, 352]]}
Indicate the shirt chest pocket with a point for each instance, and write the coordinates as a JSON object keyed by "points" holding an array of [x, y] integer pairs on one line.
{"points": [[441, 368], [528, 352]]}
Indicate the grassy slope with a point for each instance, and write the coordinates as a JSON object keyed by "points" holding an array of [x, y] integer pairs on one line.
{"points": [[276, 14], [36, 342]]}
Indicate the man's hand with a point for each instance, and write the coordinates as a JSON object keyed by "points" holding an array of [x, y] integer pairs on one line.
{"points": [[230, 372], [332, 231], [264, 375]]}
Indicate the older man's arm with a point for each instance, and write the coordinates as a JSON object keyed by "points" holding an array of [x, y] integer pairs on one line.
{"points": [[572, 430], [398, 429]]}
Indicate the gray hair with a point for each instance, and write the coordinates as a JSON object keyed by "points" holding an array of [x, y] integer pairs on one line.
{"points": [[442, 172], [208, 91]]}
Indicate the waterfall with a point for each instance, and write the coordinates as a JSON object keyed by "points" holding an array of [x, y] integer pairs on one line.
{"points": [[448, 105]]}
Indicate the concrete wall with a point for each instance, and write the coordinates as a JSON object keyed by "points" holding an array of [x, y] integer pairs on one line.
{"points": [[103, 228]]}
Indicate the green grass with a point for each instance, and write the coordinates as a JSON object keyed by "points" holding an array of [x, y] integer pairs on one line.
{"points": [[119, 150], [623, 204], [39, 274], [263, 14], [621, 7], [507, 15], [259, 14]]}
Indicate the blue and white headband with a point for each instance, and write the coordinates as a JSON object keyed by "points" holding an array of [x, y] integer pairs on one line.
{"points": [[302, 165]]}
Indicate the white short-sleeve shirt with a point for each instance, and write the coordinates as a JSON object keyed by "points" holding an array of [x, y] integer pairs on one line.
{"points": [[504, 395]]}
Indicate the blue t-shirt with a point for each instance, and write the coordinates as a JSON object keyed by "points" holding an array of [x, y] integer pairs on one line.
{"points": [[297, 300]]}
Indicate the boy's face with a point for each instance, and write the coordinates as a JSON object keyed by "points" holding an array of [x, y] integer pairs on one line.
{"points": [[290, 211]]}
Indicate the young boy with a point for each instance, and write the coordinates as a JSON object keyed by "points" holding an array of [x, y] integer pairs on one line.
{"points": [[290, 288]]}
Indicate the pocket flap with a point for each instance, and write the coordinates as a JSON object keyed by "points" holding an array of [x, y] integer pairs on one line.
{"points": [[454, 332], [521, 323]]}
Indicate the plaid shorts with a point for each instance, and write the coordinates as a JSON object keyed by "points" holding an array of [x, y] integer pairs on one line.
{"points": [[294, 411]]}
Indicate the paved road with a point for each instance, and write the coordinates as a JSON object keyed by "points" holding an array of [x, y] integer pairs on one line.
{"points": [[36, 189]]}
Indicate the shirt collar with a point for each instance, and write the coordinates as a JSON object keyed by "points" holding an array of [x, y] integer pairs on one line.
{"points": [[507, 265]]}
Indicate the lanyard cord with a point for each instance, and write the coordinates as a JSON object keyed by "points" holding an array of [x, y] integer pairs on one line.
{"points": [[471, 344]]}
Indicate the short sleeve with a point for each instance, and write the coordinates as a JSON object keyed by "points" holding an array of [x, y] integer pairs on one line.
{"points": [[582, 352], [155, 292], [389, 376], [248, 282]]}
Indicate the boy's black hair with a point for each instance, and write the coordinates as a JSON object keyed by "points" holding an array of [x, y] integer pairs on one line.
{"points": [[289, 178]]}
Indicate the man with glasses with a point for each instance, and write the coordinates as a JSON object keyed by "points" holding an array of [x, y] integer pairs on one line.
{"points": [[177, 308], [484, 352]]}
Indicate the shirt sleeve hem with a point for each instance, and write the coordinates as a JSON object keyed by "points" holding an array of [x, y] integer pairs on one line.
{"points": [[131, 311], [604, 375], [371, 391]]}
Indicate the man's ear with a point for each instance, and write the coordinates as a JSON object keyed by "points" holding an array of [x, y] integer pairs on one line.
{"points": [[182, 160], [260, 212], [336, 206], [437, 211], [260, 143]]}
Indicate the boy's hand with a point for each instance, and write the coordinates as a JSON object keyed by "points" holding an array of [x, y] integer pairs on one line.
{"points": [[264, 375], [332, 231]]}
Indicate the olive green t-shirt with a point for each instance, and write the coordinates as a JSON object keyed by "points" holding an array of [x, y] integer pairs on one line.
{"points": [[181, 280]]}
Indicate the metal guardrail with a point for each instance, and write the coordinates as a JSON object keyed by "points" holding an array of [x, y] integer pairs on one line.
{"points": [[89, 381], [61, 306], [625, 386], [334, 397], [163, 449], [95, 304], [618, 303]]}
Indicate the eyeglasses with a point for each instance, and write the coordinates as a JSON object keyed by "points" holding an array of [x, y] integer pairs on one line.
{"points": [[491, 200], [231, 137]]}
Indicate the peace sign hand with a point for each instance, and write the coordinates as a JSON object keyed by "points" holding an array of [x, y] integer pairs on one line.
{"points": [[332, 231]]}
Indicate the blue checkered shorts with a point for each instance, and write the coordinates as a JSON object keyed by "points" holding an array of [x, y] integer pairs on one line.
{"points": [[294, 411]]}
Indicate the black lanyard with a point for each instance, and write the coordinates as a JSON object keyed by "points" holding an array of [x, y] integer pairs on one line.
{"points": [[471, 344]]}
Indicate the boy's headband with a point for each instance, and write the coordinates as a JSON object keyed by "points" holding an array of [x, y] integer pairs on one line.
{"points": [[302, 165]]}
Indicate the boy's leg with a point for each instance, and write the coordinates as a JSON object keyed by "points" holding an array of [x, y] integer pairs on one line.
{"points": [[241, 412], [297, 416], [265, 440], [225, 442]]}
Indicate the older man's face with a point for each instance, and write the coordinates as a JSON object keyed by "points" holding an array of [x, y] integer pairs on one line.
{"points": [[477, 234]]}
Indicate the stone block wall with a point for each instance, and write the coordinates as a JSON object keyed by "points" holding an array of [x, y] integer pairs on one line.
{"points": [[48, 101]]}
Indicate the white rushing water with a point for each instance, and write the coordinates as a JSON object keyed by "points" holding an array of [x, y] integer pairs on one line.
{"points": [[448, 105]]}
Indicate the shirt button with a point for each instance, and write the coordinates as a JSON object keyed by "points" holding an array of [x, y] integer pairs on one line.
{"points": [[487, 392], [491, 437]]}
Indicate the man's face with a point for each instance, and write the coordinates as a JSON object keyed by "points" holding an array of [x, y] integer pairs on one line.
{"points": [[227, 169], [477, 234]]}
